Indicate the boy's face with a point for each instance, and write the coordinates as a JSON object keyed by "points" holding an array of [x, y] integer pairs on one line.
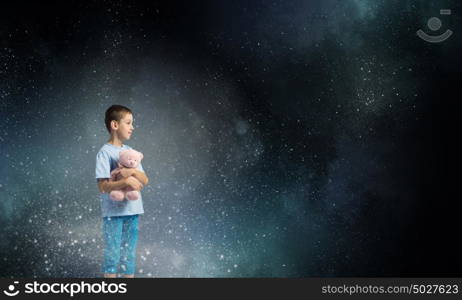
{"points": [[124, 127]]}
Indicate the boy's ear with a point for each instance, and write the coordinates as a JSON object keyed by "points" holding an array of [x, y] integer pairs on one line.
{"points": [[114, 124]]}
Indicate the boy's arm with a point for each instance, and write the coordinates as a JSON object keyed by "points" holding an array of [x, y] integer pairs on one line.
{"points": [[141, 177], [106, 186]]}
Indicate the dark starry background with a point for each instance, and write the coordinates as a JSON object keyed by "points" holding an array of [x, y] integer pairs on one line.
{"points": [[281, 138]]}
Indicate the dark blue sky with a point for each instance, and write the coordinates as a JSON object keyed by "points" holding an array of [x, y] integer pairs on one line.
{"points": [[282, 139]]}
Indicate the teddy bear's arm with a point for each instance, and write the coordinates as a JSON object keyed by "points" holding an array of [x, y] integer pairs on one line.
{"points": [[115, 173]]}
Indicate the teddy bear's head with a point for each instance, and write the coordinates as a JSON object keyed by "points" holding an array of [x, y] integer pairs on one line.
{"points": [[130, 158]]}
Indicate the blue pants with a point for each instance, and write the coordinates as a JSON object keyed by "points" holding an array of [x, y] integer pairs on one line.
{"points": [[120, 237]]}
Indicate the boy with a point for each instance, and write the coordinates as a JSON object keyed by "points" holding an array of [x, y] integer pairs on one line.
{"points": [[120, 218]]}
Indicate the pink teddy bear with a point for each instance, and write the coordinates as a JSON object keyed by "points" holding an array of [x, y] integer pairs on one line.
{"points": [[129, 159]]}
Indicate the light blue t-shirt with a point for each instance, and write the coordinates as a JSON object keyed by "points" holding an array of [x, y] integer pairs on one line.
{"points": [[106, 161]]}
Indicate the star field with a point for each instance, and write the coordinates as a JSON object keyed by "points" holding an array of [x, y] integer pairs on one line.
{"points": [[281, 139]]}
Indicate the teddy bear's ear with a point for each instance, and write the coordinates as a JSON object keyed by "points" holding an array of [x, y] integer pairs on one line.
{"points": [[141, 156], [122, 153]]}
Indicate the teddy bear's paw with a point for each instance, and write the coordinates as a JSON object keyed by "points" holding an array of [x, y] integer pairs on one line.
{"points": [[117, 195], [133, 195]]}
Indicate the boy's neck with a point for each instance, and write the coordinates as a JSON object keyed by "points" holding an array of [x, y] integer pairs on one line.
{"points": [[114, 140]]}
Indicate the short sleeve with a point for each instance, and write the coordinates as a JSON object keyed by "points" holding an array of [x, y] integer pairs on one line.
{"points": [[103, 168]]}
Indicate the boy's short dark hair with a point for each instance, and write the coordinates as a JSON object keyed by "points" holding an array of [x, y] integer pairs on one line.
{"points": [[115, 113]]}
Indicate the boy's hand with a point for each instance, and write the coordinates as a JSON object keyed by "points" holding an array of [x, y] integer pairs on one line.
{"points": [[127, 172], [133, 183]]}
